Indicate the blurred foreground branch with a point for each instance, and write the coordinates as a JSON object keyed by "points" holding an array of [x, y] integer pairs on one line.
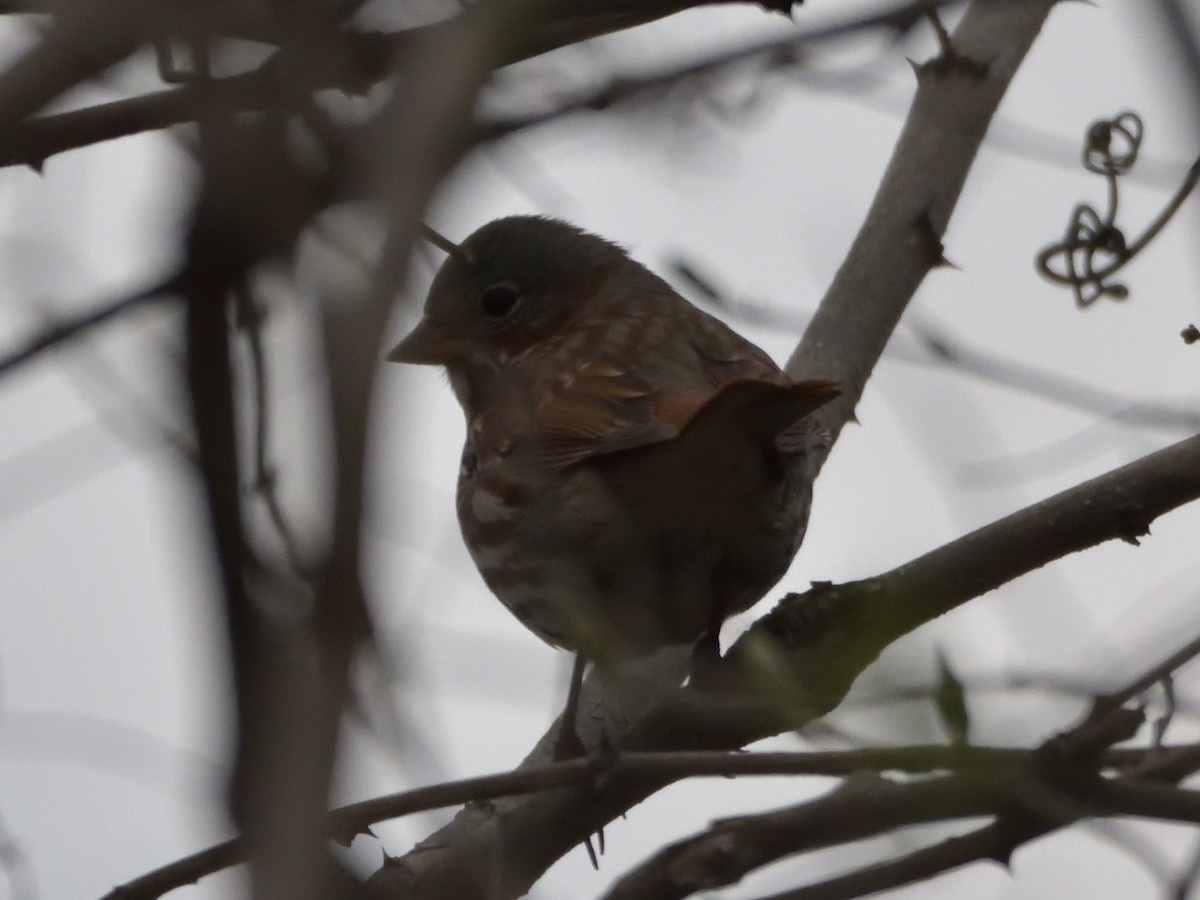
{"points": [[366, 59]]}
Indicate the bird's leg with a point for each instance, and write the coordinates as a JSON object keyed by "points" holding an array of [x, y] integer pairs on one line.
{"points": [[568, 745], [706, 654], [706, 657]]}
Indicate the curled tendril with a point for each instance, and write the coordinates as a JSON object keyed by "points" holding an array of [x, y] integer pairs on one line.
{"points": [[1111, 145], [1091, 251], [1094, 248]]}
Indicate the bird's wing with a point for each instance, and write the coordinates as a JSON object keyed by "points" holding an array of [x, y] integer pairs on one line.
{"points": [[600, 408], [642, 378]]}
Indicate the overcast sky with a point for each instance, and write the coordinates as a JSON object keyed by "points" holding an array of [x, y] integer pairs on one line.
{"points": [[113, 721]]}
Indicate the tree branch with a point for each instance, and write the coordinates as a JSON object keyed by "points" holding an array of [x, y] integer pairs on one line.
{"points": [[370, 58], [69, 327], [873, 613], [901, 239], [366, 58], [344, 823], [87, 38], [863, 806], [1051, 787]]}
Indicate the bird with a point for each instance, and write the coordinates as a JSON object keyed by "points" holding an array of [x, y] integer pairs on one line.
{"points": [[634, 471]]}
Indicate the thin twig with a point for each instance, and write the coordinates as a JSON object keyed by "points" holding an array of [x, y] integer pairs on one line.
{"points": [[775, 52], [920, 340], [1153, 675], [265, 485], [344, 823], [993, 841], [1029, 800], [69, 327]]}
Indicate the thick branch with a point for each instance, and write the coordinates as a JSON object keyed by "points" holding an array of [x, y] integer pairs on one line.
{"points": [[87, 38], [901, 239], [1120, 504]]}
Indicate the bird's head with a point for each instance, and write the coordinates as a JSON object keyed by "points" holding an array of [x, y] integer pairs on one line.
{"points": [[513, 283]]}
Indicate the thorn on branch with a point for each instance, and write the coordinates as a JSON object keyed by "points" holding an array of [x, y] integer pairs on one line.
{"points": [[171, 72], [345, 837], [591, 852], [931, 240], [948, 61], [1133, 523], [1003, 856]]}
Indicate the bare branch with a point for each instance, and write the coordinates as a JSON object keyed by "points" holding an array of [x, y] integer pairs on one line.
{"points": [[344, 823], [900, 241], [1054, 786], [34, 140], [774, 53], [993, 841], [863, 617], [70, 327], [86, 39], [348, 821], [264, 482], [920, 340]]}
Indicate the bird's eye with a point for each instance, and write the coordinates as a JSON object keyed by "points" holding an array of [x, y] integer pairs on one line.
{"points": [[498, 301]]}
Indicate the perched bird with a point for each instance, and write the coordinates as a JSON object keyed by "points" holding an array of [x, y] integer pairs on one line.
{"points": [[634, 471]]}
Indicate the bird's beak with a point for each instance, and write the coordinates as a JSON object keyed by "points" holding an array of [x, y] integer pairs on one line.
{"points": [[427, 345]]}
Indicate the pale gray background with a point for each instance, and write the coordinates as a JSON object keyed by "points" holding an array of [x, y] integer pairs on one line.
{"points": [[113, 718]]}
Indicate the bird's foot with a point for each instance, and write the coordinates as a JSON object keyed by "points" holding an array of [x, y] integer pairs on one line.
{"points": [[568, 744], [602, 758], [706, 662]]}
